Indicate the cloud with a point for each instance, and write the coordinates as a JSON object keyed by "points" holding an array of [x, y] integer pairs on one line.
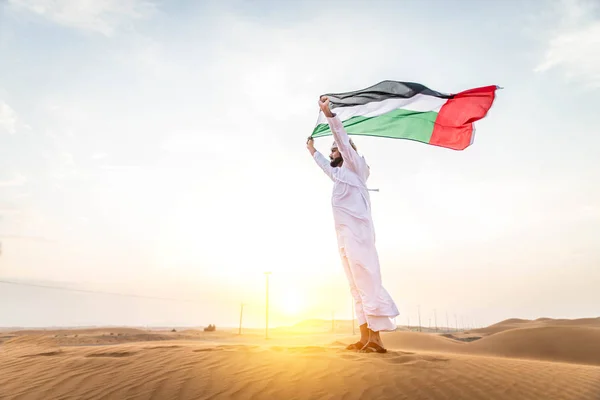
{"points": [[8, 119], [26, 237], [99, 156], [101, 16], [9, 211], [122, 167], [575, 46], [18, 180]]}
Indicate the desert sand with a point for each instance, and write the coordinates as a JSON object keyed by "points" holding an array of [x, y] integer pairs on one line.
{"points": [[514, 359]]}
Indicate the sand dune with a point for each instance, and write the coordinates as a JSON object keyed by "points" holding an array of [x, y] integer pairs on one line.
{"points": [[560, 361], [591, 322], [4, 338], [173, 371], [84, 331], [515, 323], [571, 344], [568, 344], [421, 341], [93, 336]]}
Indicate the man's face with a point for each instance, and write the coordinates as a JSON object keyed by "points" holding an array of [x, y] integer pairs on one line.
{"points": [[335, 157]]}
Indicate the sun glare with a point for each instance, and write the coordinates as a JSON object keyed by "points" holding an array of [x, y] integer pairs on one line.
{"points": [[293, 303]]}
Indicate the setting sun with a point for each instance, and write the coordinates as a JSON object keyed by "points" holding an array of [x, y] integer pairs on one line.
{"points": [[293, 303]]}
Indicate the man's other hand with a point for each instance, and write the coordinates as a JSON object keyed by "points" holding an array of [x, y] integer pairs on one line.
{"points": [[324, 105]]}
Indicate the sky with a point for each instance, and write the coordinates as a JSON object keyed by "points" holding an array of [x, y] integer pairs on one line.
{"points": [[157, 149]]}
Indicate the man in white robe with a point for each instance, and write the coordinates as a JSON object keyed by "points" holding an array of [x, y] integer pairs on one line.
{"points": [[351, 203]]}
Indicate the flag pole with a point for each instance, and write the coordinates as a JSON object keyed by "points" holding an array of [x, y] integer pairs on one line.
{"points": [[241, 313]]}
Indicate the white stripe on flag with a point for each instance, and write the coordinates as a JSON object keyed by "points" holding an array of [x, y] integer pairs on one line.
{"points": [[419, 102]]}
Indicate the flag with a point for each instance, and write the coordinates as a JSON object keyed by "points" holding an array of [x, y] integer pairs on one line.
{"points": [[407, 110]]}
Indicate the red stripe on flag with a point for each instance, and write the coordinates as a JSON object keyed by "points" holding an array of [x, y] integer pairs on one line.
{"points": [[454, 124]]}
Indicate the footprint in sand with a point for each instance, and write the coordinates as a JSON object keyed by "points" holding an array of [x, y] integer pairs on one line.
{"points": [[351, 356], [228, 347], [392, 357], [46, 354], [207, 349], [300, 349], [308, 349], [162, 347], [114, 354], [411, 359], [237, 347]]}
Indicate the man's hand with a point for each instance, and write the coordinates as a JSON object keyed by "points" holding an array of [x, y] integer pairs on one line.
{"points": [[310, 146], [324, 105]]}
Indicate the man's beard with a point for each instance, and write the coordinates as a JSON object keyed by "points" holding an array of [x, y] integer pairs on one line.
{"points": [[336, 162]]}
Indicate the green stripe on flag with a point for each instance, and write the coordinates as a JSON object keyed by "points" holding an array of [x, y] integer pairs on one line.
{"points": [[399, 124]]}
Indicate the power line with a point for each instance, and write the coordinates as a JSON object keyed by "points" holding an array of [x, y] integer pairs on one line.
{"points": [[95, 291]]}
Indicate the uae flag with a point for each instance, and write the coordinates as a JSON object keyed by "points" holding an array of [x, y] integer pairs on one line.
{"points": [[406, 110]]}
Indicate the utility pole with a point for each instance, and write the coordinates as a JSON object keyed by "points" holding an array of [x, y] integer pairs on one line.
{"points": [[267, 319], [455, 322], [408, 321], [447, 323], [241, 313], [435, 317], [332, 322], [419, 318]]}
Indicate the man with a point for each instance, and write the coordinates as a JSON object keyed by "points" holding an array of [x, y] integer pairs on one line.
{"points": [[351, 203]]}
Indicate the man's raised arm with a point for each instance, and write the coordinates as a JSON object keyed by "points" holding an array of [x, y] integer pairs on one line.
{"points": [[350, 156]]}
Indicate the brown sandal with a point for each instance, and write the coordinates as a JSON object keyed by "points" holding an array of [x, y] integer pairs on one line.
{"points": [[355, 346], [372, 347]]}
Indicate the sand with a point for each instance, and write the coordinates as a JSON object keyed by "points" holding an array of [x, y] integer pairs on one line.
{"points": [[547, 359]]}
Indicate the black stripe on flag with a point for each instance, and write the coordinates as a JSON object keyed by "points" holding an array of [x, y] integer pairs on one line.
{"points": [[382, 91]]}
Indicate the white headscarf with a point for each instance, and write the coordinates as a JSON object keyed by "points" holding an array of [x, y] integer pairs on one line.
{"points": [[335, 146]]}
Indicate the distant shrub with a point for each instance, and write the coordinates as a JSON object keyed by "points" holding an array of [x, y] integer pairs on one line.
{"points": [[210, 328]]}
